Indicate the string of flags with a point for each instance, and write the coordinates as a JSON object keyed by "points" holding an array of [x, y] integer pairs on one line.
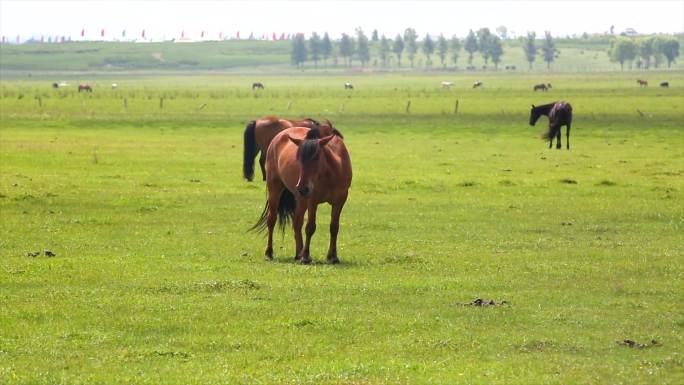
{"points": [[102, 35]]}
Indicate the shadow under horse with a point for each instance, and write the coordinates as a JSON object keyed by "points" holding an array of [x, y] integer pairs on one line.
{"points": [[305, 169], [559, 114]]}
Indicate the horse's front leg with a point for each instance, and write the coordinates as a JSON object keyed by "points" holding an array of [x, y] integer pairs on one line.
{"points": [[558, 139], [297, 223], [334, 229], [567, 137], [310, 230]]}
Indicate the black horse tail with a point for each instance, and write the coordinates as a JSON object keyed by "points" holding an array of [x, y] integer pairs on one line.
{"points": [[286, 208], [551, 133], [250, 151]]}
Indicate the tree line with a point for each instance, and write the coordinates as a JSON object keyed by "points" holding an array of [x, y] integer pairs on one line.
{"points": [[403, 47], [643, 52]]}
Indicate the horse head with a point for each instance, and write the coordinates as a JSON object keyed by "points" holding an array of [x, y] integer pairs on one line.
{"points": [[308, 157], [534, 115]]}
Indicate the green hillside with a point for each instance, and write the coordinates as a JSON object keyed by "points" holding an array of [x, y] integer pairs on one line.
{"points": [[575, 55]]}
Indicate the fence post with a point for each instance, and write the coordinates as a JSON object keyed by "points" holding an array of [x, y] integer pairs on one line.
{"points": [[408, 107], [456, 107]]}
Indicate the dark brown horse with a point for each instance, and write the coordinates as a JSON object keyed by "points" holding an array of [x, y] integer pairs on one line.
{"points": [[642, 83], [665, 84], [85, 87], [303, 170], [560, 114], [542, 87], [257, 85], [260, 132]]}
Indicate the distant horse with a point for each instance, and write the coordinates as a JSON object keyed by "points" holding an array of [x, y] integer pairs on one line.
{"points": [[85, 87], [257, 85], [305, 169], [542, 87], [55, 85], [642, 83], [348, 86], [447, 85], [259, 133], [115, 86], [665, 84], [560, 114], [477, 84]]}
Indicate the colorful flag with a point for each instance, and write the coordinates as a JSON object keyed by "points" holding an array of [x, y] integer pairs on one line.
{"points": [[182, 34], [238, 35], [143, 33], [83, 32], [202, 34], [102, 33]]}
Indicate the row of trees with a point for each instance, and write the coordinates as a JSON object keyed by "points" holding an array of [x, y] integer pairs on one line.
{"points": [[643, 51], [406, 46]]}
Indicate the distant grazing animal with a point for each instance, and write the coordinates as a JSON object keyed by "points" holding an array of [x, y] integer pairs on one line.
{"points": [[259, 133], [304, 169], [447, 85], [560, 114], [115, 86], [85, 87], [477, 84], [542, 86], [665, 84], [257, 85], [642, 83], [348, 86], [55, 85]]}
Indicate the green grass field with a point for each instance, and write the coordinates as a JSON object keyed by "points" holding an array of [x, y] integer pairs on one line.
{"points": [[156, 279]]}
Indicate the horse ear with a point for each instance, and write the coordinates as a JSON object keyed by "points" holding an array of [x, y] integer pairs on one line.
{"points": [[296, 141], [533, 106], [323, 141]]}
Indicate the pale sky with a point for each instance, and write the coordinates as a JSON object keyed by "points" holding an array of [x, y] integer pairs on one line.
{"points": [[167, 19]]}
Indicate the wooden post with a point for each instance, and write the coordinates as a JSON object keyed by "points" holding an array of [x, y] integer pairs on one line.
{"points": [[125, 103], [40, 101], [161, 102], [289, 105], [456, 107], [408, 107], [342, 107]]}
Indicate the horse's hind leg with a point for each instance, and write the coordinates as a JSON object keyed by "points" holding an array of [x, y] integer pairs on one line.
{"points": [[558, 139], [305, 256], [262, 163], [567, 137], [272, 216]]}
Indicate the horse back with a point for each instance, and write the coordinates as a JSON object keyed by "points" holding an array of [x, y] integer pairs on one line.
{"points": [[561, 113]]}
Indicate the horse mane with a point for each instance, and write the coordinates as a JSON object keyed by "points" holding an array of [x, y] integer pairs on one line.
{"points": [[315, 122], [309, 150], [544, 108], [334, 130]]}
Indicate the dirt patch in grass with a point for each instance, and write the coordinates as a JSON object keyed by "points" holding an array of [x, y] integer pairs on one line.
{"points": [[635, 345]]}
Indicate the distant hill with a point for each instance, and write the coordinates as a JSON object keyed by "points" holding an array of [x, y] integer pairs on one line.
{"points": [[576, 55]]}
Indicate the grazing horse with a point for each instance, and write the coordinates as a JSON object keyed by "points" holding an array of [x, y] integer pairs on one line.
{"points": [[560, 114], [85, 87], [542, 86], [55, 85], [257, 85], [348, 86], [477, 84], [305, 169], [665, 84], [447, 85], [642, 83], [260, 132]]}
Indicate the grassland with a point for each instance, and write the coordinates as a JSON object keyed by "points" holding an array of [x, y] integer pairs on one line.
{"points": [[138, 192]]}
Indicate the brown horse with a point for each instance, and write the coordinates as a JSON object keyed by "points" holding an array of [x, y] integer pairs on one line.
{"points": [[542, 87], [560, 114], [85, 87], [260, 132], [304, 169], [642, 83], [257, 85]]}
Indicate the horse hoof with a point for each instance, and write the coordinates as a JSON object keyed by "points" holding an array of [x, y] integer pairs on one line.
{"points": [[333, 261], [304, 261]]}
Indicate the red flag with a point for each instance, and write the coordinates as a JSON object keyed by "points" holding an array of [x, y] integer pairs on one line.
{"points": [[182, 34], [102, 33], [274, 36], [282, 37], [238, 35], [143, 33], [83, 32]]}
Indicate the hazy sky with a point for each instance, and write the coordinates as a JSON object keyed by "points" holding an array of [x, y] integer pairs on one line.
{"points": [[166, 19]]}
